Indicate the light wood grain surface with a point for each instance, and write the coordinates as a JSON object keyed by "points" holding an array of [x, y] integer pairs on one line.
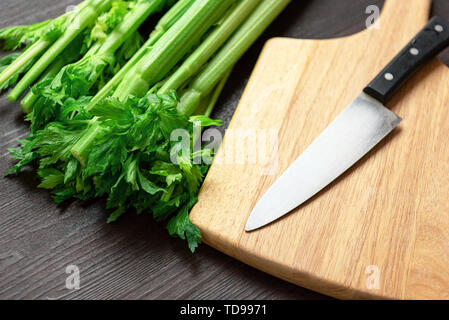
{"points": [[389, 214]]}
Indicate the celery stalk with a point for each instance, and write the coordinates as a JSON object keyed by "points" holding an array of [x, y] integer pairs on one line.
{"points": [[239, 43], [216, 94], [212, 43], [173, 45], [31, 53], [86, 16]]}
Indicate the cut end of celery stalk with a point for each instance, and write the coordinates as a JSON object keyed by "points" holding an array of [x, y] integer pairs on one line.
{"points": [[13, 97], [27, 103], [81, 159], [81, 149], [189, 102], [26, 109]]}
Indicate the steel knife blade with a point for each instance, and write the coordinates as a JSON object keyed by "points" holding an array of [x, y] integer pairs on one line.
{"points": [[360, 127]]}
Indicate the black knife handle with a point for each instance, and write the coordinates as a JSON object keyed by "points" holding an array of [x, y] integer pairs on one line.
{"points": [[426, 45]]}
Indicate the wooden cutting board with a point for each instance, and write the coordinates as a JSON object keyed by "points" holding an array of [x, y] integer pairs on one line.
{"points": [[379, 231]]}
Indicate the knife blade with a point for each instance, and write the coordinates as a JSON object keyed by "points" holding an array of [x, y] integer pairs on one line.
{"points": [[361, 126]]}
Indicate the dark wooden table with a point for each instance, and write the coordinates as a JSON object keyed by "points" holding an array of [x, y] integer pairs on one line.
{"points": [[135, 258]]}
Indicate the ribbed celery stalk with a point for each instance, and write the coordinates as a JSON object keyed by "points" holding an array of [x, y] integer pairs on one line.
{"points": [[31, 53], [131, 22], [172, 47], [232, 51], [84, 17], [164, 24], [209, 46], [216, 94]]}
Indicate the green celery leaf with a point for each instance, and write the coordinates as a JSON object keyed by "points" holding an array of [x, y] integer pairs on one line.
{"points": [[72, 170], [193, 177], [17, 36], [168, 170], [116, 214], [163, 209], [51, 178], [63, 194], [147, 185], [131, 169], [205, 121], [109, 20], [112, 109], [119, 194], [106, 155], [181, 226], [56, 140], [26, 153]]}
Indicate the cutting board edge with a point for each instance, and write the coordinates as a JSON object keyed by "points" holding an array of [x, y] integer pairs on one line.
{"points": [[298, 277]]}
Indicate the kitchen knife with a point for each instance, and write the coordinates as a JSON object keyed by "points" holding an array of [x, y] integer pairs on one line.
{"points": [[361, 126]]}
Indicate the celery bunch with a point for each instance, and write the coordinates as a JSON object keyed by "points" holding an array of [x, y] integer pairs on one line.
{"points": [[103, 105]]}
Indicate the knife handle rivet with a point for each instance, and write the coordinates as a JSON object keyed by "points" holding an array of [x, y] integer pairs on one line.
{"points": [[389, 76], [439, 28], [414, 51]]}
